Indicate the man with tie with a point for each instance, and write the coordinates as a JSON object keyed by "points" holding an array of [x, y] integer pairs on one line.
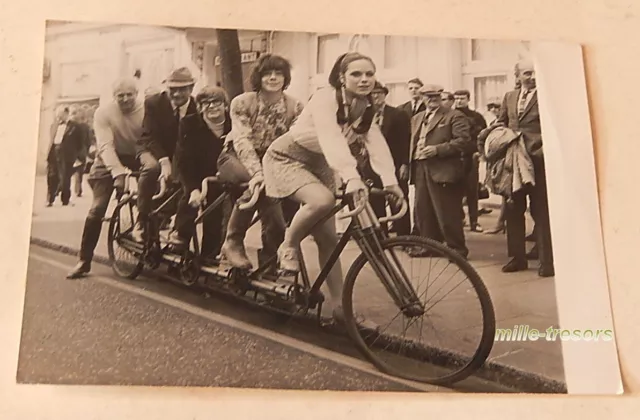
{"points": [[440, 137], [519, 112], [396, 129], [163, 112], [416, 104]]}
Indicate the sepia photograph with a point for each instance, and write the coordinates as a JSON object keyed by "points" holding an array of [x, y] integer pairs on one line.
{"points": [[292, 211]]}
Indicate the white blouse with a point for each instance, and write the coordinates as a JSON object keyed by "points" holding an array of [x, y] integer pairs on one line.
{"points": [[317, 130]]}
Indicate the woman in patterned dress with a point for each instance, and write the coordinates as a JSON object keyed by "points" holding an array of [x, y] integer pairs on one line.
{"points": [[258, 118], [333, 136]]}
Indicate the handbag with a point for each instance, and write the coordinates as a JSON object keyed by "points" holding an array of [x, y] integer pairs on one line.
{"points": [[483, 191]]}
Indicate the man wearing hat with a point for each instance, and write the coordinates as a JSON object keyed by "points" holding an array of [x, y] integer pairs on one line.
{"points": [[440, 138], [396, 129], [163, 113], [199, 146]]}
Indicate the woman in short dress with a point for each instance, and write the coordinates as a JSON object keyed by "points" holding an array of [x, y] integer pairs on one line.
{"points": [[258, 118], [333, 135]]}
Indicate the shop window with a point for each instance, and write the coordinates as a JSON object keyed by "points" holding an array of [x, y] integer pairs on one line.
{"points": [[328, 51]]}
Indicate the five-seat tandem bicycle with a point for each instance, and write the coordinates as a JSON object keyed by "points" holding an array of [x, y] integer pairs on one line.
{"points": [[401, 303]]}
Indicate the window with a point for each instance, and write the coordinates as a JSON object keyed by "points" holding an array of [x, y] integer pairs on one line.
{"points": [[489, 88], [399, 52], [328, 51]]}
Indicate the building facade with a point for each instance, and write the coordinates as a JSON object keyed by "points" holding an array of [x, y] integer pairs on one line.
{"points": [[82, 60]]}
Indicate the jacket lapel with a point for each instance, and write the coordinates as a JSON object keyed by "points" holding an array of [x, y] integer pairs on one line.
{"points": [[532, 102], [434, 120], [416, 122]]}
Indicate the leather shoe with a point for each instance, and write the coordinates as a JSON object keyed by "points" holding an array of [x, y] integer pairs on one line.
{"points": [[515, 265], [80, 270], [546, 271]]}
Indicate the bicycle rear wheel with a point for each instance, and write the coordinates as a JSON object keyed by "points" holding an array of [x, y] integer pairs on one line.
{"points": [[407, 344], [125, 255]]}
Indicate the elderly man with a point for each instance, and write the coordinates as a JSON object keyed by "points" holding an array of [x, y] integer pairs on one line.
{"points": [[519, 112], [69, 138], [163, 113], [440, 138], [117, 127]]}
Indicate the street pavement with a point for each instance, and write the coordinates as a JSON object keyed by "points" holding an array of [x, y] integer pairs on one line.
{"points": [[518, 298]]}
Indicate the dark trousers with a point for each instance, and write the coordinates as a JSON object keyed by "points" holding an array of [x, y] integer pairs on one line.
{"points": [[59, 174], [403, 225], [471, 190], [213, 224], [102, 189], [437, 210], [515, 216], [79, 175], [273, 224], [147, 184]]}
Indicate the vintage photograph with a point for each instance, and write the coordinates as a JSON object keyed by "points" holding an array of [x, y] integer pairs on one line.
{"points": [[290, 210]]}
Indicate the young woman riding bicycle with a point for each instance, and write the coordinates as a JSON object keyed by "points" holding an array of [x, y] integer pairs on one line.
{"points": [[333, 136]]}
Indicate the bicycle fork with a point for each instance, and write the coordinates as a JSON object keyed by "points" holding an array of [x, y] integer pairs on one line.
{"points": [[387, 267]]}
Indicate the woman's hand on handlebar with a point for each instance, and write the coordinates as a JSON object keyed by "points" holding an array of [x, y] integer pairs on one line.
{"points": [[357, 189], [395, 194], [256, 182]]}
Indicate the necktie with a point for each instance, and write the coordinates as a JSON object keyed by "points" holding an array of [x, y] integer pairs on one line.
{"points": [[415, 107], [178, 116], [522, 102]]}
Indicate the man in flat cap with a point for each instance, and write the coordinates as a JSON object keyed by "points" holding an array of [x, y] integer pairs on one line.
{"points": [[163, 112], [440, 139], [396, 129], [519, 112]]}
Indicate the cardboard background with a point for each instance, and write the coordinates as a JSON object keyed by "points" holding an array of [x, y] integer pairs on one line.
{"points": [[608, 30]]}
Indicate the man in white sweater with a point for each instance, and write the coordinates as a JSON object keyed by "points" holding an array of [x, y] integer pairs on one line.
{"points": [[117, 127]]}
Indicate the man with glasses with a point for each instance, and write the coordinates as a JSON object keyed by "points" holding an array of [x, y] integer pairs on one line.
{"points": [[199, 146], [117, 127]]}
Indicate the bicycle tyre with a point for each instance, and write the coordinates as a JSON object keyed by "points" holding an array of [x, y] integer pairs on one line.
{"points": [[113, 225], [489, 324]]}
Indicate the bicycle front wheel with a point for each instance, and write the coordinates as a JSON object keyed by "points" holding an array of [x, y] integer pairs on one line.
{"points": [[125, 255], [444, 342]]}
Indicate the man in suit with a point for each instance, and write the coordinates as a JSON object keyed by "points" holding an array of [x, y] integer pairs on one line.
{"points": [[163, 112], [68, 140], [519, 112], [439, 139], [396, 129], [416, 104]]}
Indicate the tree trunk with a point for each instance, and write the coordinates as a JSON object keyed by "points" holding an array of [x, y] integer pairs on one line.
{"points": [[230, 62]]}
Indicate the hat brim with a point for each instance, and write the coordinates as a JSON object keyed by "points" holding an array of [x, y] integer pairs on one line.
{"points": [[180, 84]]}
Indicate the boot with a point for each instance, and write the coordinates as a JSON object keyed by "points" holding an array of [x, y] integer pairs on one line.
{"points": [[90, 237], [233, 247]]}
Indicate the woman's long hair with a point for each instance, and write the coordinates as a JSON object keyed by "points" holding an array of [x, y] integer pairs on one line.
{"points": [[343, 116]]}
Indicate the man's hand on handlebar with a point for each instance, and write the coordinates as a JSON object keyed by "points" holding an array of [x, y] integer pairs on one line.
{"points": [[195, 199], [165, 168], [119, 184]]}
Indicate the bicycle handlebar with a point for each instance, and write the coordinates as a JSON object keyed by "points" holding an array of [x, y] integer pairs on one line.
{"points": [[255, 195], [403, 208], [214, 179]]}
